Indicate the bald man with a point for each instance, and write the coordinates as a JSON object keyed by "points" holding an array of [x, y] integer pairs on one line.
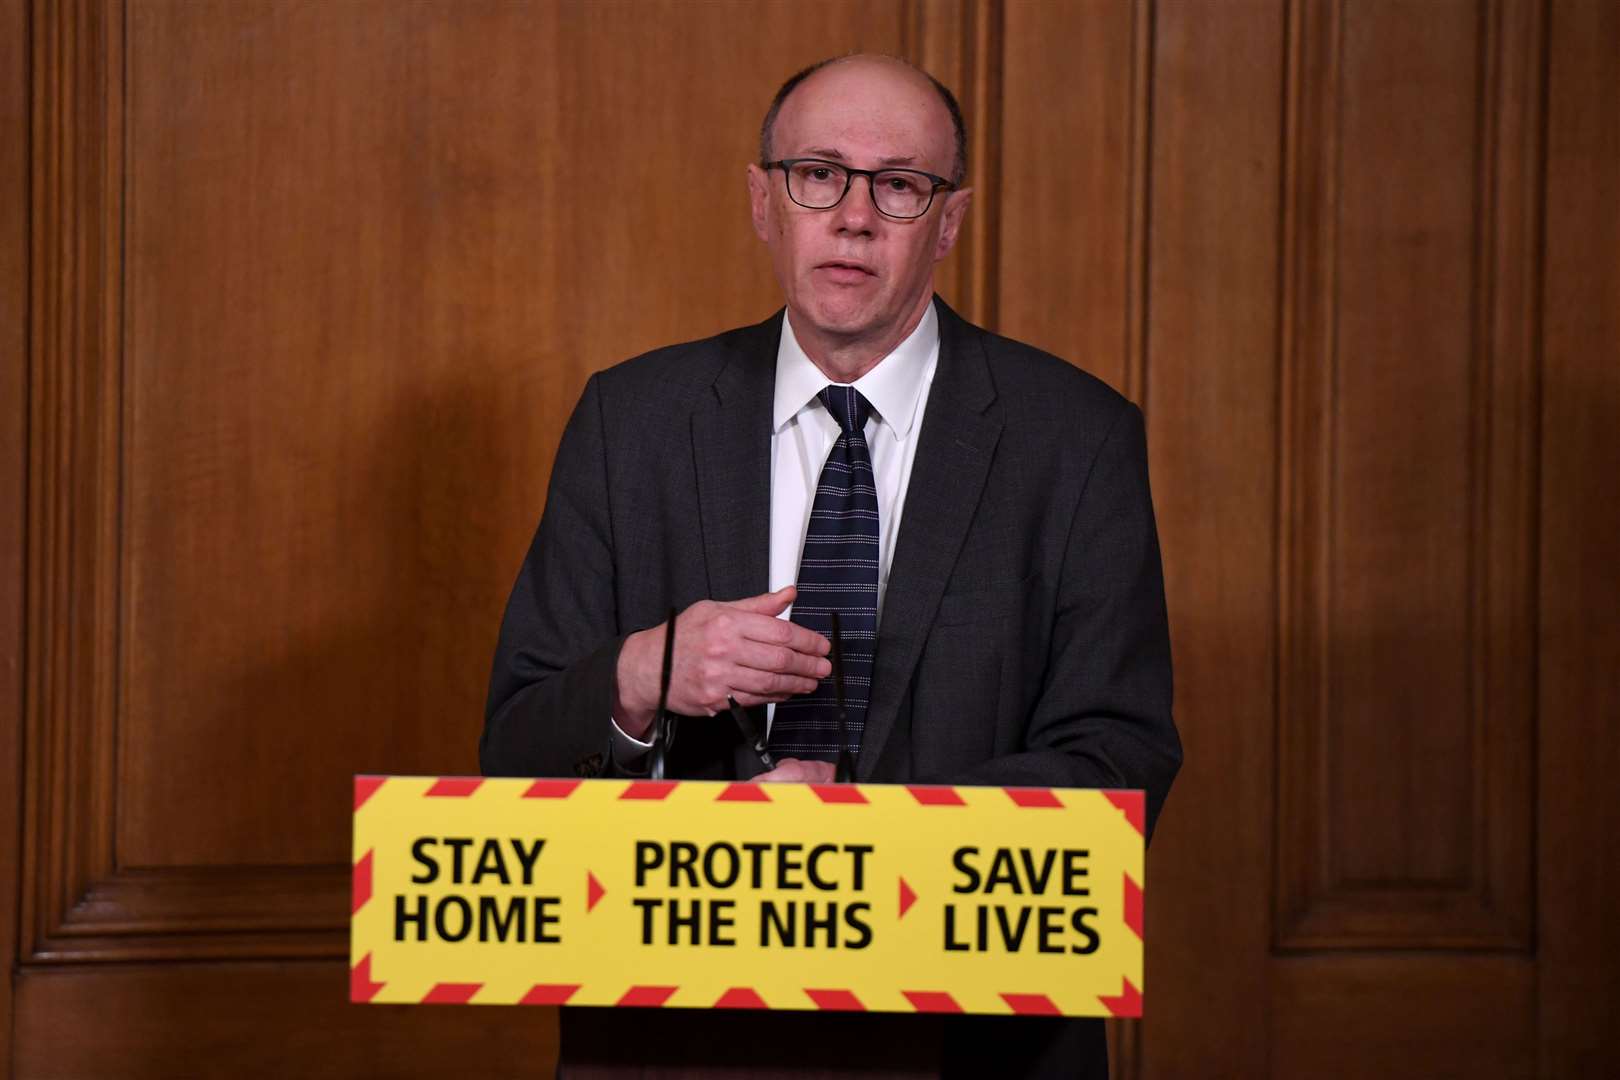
{"points": [[976, 511]]}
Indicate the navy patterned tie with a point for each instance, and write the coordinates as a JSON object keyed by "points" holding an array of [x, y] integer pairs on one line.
{"points": [[838, 571]]}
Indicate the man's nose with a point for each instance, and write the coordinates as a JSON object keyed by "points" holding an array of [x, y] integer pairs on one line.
{"points": [[856, 212]]}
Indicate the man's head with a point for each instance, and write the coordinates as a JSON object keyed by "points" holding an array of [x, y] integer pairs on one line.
{"points": [[857, 279], [767, 130]]}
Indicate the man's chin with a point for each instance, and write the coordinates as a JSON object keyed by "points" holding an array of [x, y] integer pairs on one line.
{"points": [[838, 317]]}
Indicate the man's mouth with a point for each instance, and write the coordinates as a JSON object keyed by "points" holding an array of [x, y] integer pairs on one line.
{"points": [[847, 271]]}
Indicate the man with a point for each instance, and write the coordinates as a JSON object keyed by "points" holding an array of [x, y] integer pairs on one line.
{"points": [[976, 511]]}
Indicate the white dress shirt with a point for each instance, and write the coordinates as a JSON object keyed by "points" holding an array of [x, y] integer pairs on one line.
{"points": [[802, 435]]}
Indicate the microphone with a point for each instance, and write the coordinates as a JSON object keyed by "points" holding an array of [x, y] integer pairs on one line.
{"points": [[752, 737], [844, 771], [663, 723]]}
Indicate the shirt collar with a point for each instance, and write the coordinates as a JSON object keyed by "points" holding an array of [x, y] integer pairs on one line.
{"points": [[892, 386]]}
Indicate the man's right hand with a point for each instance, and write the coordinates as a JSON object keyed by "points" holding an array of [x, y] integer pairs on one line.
{"points": [[738, 649]]}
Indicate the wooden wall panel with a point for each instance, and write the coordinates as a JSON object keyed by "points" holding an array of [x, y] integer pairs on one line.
{"points": [[72, 509], [1212, 432], [1073, 142], [258, 1022], [1397, 598], [1359, 1016], [15, 155], [1578, 838], [962, 43], [1409, 500]]}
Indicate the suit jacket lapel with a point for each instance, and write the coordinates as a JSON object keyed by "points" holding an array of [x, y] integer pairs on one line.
{"points": [[731, 442], [958, 439]]}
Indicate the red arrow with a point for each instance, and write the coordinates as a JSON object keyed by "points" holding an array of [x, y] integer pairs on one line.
{"points": [[907, 898], [593, 890]]}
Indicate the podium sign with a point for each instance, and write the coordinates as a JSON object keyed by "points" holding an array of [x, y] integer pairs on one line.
{"points": [[891, 898]]}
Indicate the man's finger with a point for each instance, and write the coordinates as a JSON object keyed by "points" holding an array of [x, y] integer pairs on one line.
{"points": [[781, 658], [769, 683], [792, 770], [782, 632]]}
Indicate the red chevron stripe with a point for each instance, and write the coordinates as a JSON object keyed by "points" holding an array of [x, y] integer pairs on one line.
{"points": [[1031, 1004], [1128, 1003], [361, 988], [744, 793], [932, 1001], [454, 787], [839, 1000], [549, 994], [935, 796], [365, 787], [649, 789], [551, 789], [1135, 806], [451, 993], [647, 996], [360, 888], [740, 997], [1133, 905], [1033, 798], [838, 793]]}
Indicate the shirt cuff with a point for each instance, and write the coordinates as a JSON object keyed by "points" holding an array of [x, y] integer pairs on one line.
{"points": [[629, 753]]}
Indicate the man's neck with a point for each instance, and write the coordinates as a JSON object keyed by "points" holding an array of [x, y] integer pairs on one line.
{"points": [[843, 360]]}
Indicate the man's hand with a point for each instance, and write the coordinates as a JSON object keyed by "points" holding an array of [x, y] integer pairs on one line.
{"points": [[738, 649], [792, 770]]}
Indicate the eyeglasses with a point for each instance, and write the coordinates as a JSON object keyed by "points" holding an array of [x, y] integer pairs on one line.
{"points": [[821, 185]]}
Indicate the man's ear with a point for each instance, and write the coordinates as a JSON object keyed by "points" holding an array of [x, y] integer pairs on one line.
{"points": [[759, 200], [956, 204]]}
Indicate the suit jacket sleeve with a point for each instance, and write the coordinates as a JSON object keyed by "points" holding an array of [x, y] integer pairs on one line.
{"points": [[551, 690], [1103, 716]]}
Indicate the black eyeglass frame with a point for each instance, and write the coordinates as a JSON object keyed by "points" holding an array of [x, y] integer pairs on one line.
{"points": [[939, 184]]}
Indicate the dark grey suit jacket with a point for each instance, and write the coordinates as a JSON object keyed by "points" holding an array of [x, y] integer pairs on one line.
{"points": [[1023, 637]]}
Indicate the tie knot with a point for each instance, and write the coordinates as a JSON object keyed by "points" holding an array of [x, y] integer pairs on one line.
{"points": [[847, 406]]}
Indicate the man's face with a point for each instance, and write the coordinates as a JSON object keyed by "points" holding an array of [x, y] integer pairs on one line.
{"points": [[853, 277]]}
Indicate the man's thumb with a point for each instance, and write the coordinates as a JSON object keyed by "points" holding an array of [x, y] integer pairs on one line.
{"points": [[771, 603]]}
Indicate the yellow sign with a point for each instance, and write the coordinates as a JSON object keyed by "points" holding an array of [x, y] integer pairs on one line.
{"points": [[693, 894]]}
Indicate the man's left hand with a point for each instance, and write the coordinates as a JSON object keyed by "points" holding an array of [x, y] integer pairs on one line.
{"points": [[792, 770]]}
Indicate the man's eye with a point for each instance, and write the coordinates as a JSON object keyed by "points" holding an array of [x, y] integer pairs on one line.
{"points": [[821, 174], [902, 185]]}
